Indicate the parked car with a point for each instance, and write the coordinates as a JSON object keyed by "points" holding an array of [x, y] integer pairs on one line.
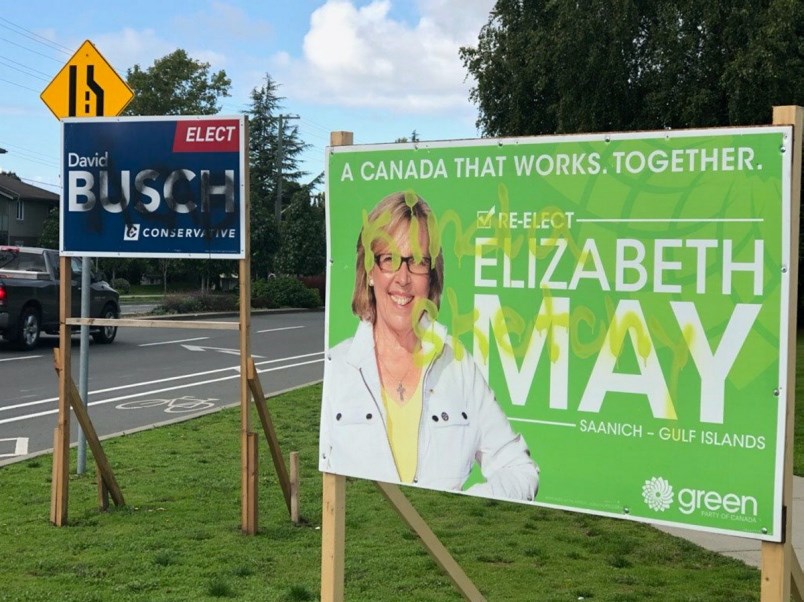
{"points": [[29, 296]]}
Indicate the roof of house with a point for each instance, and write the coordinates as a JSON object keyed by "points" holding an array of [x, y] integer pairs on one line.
{"points": [[12, 186]]}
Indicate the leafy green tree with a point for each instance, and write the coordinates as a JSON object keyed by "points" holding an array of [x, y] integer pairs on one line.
{"points": [[304, 238], [49, 239], [176, 85], [264, 159], [563, 66]]}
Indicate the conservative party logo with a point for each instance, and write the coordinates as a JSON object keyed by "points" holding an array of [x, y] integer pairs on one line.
{"points": [[131, 232], [657, 493]]}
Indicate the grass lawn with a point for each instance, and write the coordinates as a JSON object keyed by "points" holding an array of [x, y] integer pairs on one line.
{"points": [[798, 445], [179, 536]]}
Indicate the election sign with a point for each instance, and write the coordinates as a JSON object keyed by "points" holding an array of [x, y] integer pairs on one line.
{"points": [[154, 187], [624, 296]]}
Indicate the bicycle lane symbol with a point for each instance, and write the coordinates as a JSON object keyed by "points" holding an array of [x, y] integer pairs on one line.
{"points": [[177, 405]]}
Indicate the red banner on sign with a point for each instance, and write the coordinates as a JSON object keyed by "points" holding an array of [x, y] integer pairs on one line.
{"points": [[208, 136]]}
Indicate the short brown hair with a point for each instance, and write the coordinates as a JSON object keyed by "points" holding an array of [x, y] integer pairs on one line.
{"points": [[385, 219]]}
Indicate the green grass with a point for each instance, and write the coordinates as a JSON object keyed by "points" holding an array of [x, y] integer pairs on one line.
{"points": [[178, 537]]}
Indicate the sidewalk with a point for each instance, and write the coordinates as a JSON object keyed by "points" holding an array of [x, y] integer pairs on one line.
{"points": [[748, 550]]}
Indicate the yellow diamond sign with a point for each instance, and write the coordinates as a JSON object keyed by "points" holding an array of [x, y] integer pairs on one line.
{"points": [[87, 86]]}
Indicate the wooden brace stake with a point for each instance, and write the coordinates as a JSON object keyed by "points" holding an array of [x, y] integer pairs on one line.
{"points": [[81, 414], [294, 487], [430, 541], [270, 432]]}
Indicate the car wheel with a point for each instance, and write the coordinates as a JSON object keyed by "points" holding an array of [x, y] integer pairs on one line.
{"points": [[106, 334], [29, 329]]}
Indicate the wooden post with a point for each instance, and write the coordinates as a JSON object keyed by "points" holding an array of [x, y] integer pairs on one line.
{"points": [[333, 537], [54, 475], [294, 487], [103, 491], [252, 512], [59, 490], [333, 521], [248, 496], [777, 560]]}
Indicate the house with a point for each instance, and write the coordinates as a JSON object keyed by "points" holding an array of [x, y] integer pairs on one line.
{"points": [[23, 210]]}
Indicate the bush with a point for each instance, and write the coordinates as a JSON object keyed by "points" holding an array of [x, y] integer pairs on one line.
{"points": [[121, 285], [284, 291], [198, 302]]}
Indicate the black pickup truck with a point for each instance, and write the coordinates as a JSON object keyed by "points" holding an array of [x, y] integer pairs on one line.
{"points": [[29, 296]]}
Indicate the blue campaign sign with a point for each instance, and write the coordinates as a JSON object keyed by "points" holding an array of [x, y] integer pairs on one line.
{"points": [[154, 187]]}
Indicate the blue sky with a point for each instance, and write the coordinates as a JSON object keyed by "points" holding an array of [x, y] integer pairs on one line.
{"points": [[379, 68]]}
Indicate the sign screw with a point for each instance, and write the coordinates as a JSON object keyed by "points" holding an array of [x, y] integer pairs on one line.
{"points": [[764, 531], [777, 392], [627, 510]]}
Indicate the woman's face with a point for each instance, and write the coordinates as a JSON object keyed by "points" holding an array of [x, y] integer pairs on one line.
{"points": [[397, 293]]}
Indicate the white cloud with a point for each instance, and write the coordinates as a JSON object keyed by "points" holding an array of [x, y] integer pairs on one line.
{"points": [[363, 57], [123, 49], [221, 22]]}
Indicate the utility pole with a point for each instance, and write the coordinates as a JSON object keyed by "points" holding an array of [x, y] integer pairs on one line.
{"points": [[279, 159]]}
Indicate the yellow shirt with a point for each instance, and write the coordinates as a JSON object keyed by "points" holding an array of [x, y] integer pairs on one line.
{"points": [[402, 425]]}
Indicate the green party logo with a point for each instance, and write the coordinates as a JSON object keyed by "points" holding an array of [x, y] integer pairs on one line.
{"points": [[658, 494]]}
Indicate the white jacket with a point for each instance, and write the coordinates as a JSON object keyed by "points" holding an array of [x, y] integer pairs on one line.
{"points": [[461, 422]]}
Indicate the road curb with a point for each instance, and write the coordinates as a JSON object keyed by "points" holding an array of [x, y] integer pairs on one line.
{"points": [[220, 314]]}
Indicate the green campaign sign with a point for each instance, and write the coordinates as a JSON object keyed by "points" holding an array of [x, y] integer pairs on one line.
{"points": [[624, 297]]}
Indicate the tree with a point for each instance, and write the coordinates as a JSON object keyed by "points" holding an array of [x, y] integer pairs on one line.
{"points": [[414, 137], [49, 239], [176, 85], [264, 159], [555, 67], [304, 238]]}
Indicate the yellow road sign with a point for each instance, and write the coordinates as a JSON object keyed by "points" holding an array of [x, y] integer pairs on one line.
{"points": [[87, 86]]}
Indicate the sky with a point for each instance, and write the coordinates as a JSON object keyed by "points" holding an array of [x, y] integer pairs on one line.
{"points": [[378, 68]]}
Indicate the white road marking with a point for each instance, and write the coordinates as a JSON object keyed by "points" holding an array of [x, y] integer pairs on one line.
{"points": [[16, 359], [153, 392], [218, 349], [20, 447], [278, 329], [172, 342]]}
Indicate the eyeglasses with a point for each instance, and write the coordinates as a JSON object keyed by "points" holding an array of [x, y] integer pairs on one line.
{"points": [[391, 263]]}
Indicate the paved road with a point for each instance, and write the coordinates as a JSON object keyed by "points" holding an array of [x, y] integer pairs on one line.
{"points": [[153, 376]]}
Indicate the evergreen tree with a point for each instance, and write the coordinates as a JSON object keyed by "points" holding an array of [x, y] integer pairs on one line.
{"points": [[304, 237], [264, 162]]}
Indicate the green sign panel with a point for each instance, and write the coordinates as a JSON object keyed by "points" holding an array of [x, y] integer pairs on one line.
{"points": [[624, 297]]}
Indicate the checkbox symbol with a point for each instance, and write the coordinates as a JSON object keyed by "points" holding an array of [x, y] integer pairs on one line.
{"points": [[485, 219]]}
